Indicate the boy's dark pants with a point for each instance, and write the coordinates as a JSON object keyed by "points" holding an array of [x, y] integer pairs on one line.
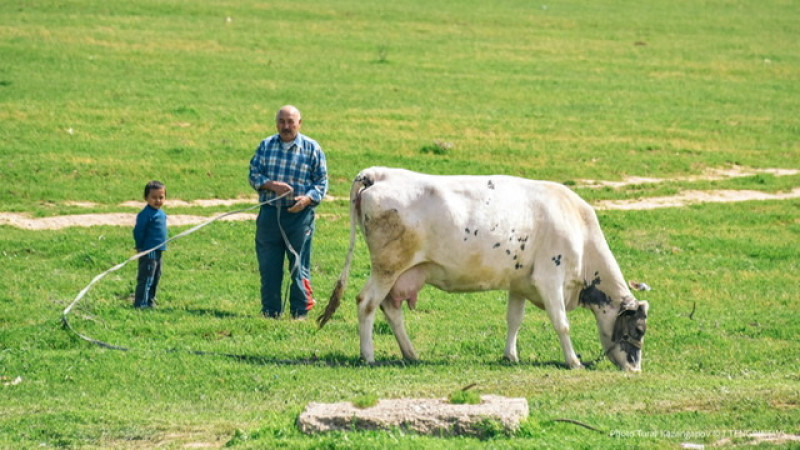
{"points": [[147, 279], [272, 251]]}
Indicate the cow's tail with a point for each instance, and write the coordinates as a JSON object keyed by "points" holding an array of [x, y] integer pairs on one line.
{"points": [[361, 182]]}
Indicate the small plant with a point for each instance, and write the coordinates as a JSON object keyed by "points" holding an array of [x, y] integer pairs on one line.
{"points": [[489, 428], [239, 437], [438, 147], [365, 401], [383, 54], [463, 397]]}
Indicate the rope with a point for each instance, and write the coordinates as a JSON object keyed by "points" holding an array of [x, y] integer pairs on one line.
{"points": [[64, 319], [296, 266], [579, 423]]}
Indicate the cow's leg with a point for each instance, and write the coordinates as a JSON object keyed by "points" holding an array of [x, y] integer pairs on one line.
{"points": [[514, 315], [551, 291], [394, 315], [368, 301]]}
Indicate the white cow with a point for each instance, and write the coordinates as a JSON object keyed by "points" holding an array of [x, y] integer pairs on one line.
{"points": [[535, 239]]}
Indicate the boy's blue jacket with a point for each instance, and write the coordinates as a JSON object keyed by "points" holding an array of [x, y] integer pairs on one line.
{"points": [[150, 229]]}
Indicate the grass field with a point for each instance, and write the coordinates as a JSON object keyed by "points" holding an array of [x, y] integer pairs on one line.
{"points": [[96, 98]]}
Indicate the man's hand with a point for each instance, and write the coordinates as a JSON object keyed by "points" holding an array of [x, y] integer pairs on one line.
{"points": [[300, 204], [278, 187]]}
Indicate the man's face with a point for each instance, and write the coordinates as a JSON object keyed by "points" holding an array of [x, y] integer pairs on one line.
{"points": [[288, 124]]}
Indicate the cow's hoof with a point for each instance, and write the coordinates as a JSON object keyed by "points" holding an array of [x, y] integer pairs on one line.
{"points": [[513, 359], [574, 365]]}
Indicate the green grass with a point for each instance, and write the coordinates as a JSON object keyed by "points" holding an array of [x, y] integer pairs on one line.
{"points": [[462, 397], [574, 90], [365, 401]]}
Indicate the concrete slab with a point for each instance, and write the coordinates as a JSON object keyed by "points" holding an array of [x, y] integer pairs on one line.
{"points": [[424, 416]]}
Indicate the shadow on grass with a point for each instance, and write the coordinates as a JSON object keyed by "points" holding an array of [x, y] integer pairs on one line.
{"points": [[536, 364], [331, 359], [327, 360], [204, 312], [341, 360]]}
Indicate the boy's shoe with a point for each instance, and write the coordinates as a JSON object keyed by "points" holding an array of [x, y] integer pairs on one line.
{"points": [[271, 315]]}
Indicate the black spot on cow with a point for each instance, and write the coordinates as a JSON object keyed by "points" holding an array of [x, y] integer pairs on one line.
{"points": [[518, 266], [466, 230], [556, 259], [508, 252], [522, 247], [590, 295], [497, 244], [490, 184], [476, 232], [365, 180]]}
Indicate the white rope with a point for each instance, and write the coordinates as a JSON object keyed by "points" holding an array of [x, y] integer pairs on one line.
{"points": [[99, 277], [296, 266]]}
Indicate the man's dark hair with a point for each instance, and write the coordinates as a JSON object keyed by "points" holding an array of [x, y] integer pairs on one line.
{"points": [[153, 185]]}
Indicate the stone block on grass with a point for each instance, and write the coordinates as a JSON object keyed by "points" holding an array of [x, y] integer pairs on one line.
{"points": [[436, 417]]}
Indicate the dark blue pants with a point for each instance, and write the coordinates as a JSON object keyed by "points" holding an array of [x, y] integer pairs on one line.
{"points": [[272, 251], [147, 280]]}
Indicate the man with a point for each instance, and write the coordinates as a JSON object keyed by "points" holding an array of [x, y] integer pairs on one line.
{"points": [[290, 164]]}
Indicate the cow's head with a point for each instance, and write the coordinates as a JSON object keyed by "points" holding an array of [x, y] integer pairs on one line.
{"points": [[627, 338]]}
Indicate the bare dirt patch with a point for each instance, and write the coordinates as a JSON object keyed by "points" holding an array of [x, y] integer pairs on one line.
{"points": [[694, 197], [685, 198], [763, 438], [26, 222], [201, 203], [709, 175]]}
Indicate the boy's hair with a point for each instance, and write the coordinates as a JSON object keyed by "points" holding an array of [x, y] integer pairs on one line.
{"points": [[153, 185]]}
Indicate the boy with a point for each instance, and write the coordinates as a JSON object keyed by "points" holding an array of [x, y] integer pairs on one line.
{"points": [[150, 232]]}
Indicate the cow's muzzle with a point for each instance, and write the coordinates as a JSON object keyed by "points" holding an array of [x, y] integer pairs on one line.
{"points": [[628, 337]]}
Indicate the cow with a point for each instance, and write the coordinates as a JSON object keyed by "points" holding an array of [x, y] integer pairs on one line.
{"points": [[537, 240]]}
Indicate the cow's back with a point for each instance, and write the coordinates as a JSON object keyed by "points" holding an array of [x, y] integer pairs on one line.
{"points": [[470, 232]]}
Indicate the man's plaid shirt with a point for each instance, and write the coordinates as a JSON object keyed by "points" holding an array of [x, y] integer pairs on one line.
{"points": [[302, 167]]}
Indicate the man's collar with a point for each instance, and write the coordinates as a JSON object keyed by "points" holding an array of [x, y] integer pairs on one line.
{"points": [[297, 139]]}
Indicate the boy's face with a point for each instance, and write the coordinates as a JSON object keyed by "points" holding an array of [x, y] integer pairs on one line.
{"points": [[155, 198]]}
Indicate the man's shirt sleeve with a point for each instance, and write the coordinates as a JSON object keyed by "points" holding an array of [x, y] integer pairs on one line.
{"points": [[319, 177]]}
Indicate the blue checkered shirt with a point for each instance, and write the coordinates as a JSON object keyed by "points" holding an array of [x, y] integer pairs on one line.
{"points": [[302, 167]]}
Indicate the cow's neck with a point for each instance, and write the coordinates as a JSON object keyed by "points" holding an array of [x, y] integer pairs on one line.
{"points": [[604, 285]]}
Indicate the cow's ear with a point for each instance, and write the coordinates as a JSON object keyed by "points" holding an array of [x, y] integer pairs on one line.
{"points": [[643, 308]]}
